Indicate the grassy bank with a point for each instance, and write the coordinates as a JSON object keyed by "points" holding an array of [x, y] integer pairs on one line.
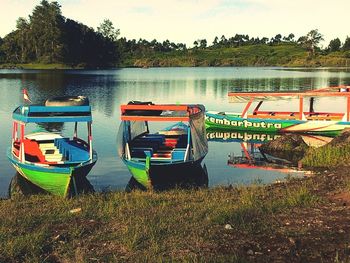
{"points": [[290, 55], [287, 222], [37, 66]]}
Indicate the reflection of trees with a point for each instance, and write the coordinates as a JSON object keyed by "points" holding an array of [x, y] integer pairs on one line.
{"points": [[109, 88]]}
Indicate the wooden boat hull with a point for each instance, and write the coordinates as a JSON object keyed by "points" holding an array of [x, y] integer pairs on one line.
{"points": [[167, 175], [228, 121], [52, 179]]}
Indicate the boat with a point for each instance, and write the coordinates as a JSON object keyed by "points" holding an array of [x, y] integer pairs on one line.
{"points": [[169, 155], [48, 159], [326, 123]]}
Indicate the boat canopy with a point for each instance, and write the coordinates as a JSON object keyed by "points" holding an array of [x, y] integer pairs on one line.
{"points": [[339, 91], [135, 117], [39, 114]]}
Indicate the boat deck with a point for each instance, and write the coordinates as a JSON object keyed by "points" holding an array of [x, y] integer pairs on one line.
{"points": [[59, 151], [159, 147]]}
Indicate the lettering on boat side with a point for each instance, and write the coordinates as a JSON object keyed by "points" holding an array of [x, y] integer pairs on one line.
{"points": [[241, 136], [244, 123]]}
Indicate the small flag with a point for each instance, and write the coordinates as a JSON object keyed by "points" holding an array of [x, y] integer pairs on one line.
{"points": [[26, 96]]}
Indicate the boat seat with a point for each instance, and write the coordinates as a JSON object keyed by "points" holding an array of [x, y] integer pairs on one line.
{"points": [[178, 154], [72, 151], [145, 144], [141, 152], [182, 141], [31, 150]]}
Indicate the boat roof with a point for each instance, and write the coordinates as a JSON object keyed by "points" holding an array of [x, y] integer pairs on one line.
{"points": [[160, 112], [339, 91], [38, 114]]}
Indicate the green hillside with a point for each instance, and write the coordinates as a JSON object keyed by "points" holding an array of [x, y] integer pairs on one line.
{"points": [[286, 54]]}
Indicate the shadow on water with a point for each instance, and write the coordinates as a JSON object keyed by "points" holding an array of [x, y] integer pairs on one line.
{"points": [[193, 178], [20, 186]]}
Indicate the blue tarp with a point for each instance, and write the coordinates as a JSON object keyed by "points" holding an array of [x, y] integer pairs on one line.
{"points": [[37, 114]]}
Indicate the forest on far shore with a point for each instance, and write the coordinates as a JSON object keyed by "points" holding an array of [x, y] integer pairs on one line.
{"points": [[47, 37]]}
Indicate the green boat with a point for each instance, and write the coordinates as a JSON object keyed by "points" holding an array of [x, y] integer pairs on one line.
{"points": [[272, 121], [47, 159], [168, 156]]}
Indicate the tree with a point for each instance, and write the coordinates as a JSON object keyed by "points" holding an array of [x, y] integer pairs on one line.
{"points": [[107, 30], [346, 45], [334, 45], [203, 43], [289, 38], [311, 40], [223, 41], [276, 39], [23, 32], [215, 42], [46, 24], [195, 43]]}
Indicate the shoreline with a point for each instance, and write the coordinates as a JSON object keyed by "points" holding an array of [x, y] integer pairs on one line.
{"points": [[67, 67]]}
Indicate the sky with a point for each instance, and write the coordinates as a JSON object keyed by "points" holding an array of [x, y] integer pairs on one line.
{"points": [[188, 20]]}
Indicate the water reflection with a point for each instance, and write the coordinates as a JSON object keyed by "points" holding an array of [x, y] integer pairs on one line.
{"points": [[20, 186], [107, 89], [193, 177], [250, 156]]}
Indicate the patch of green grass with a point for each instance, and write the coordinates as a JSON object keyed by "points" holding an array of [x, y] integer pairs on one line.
{"points": [[253, 211], [179, 225], [37, 66], [327, 156]]}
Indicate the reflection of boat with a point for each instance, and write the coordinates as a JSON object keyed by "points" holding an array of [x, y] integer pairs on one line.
{"points": [[167, 155], [195, 177], [50, 160], [283, 121], [253, 158], [239, 136], [20, 186]]}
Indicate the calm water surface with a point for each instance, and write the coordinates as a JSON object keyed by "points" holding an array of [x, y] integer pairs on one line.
{"points": [[107, 89]]}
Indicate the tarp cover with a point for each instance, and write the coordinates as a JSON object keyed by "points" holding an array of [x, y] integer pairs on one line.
{"points": [[198, 136], [125, 133]]}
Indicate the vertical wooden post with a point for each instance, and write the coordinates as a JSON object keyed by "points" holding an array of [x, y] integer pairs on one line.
{"points": [[22, 153], [244, 112], [255, 111], [75, 130], [348, 108], [301, 103], [13, 135], [90, 139]]}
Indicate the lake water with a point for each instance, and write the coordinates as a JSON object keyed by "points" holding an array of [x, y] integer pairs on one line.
{"points": [[107, 89]]}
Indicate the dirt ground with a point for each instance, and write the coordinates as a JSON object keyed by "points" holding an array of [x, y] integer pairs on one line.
{"points": [[310, 234]]}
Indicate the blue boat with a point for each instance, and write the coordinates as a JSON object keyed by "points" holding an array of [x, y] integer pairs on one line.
{"points": [[47, 159]]}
